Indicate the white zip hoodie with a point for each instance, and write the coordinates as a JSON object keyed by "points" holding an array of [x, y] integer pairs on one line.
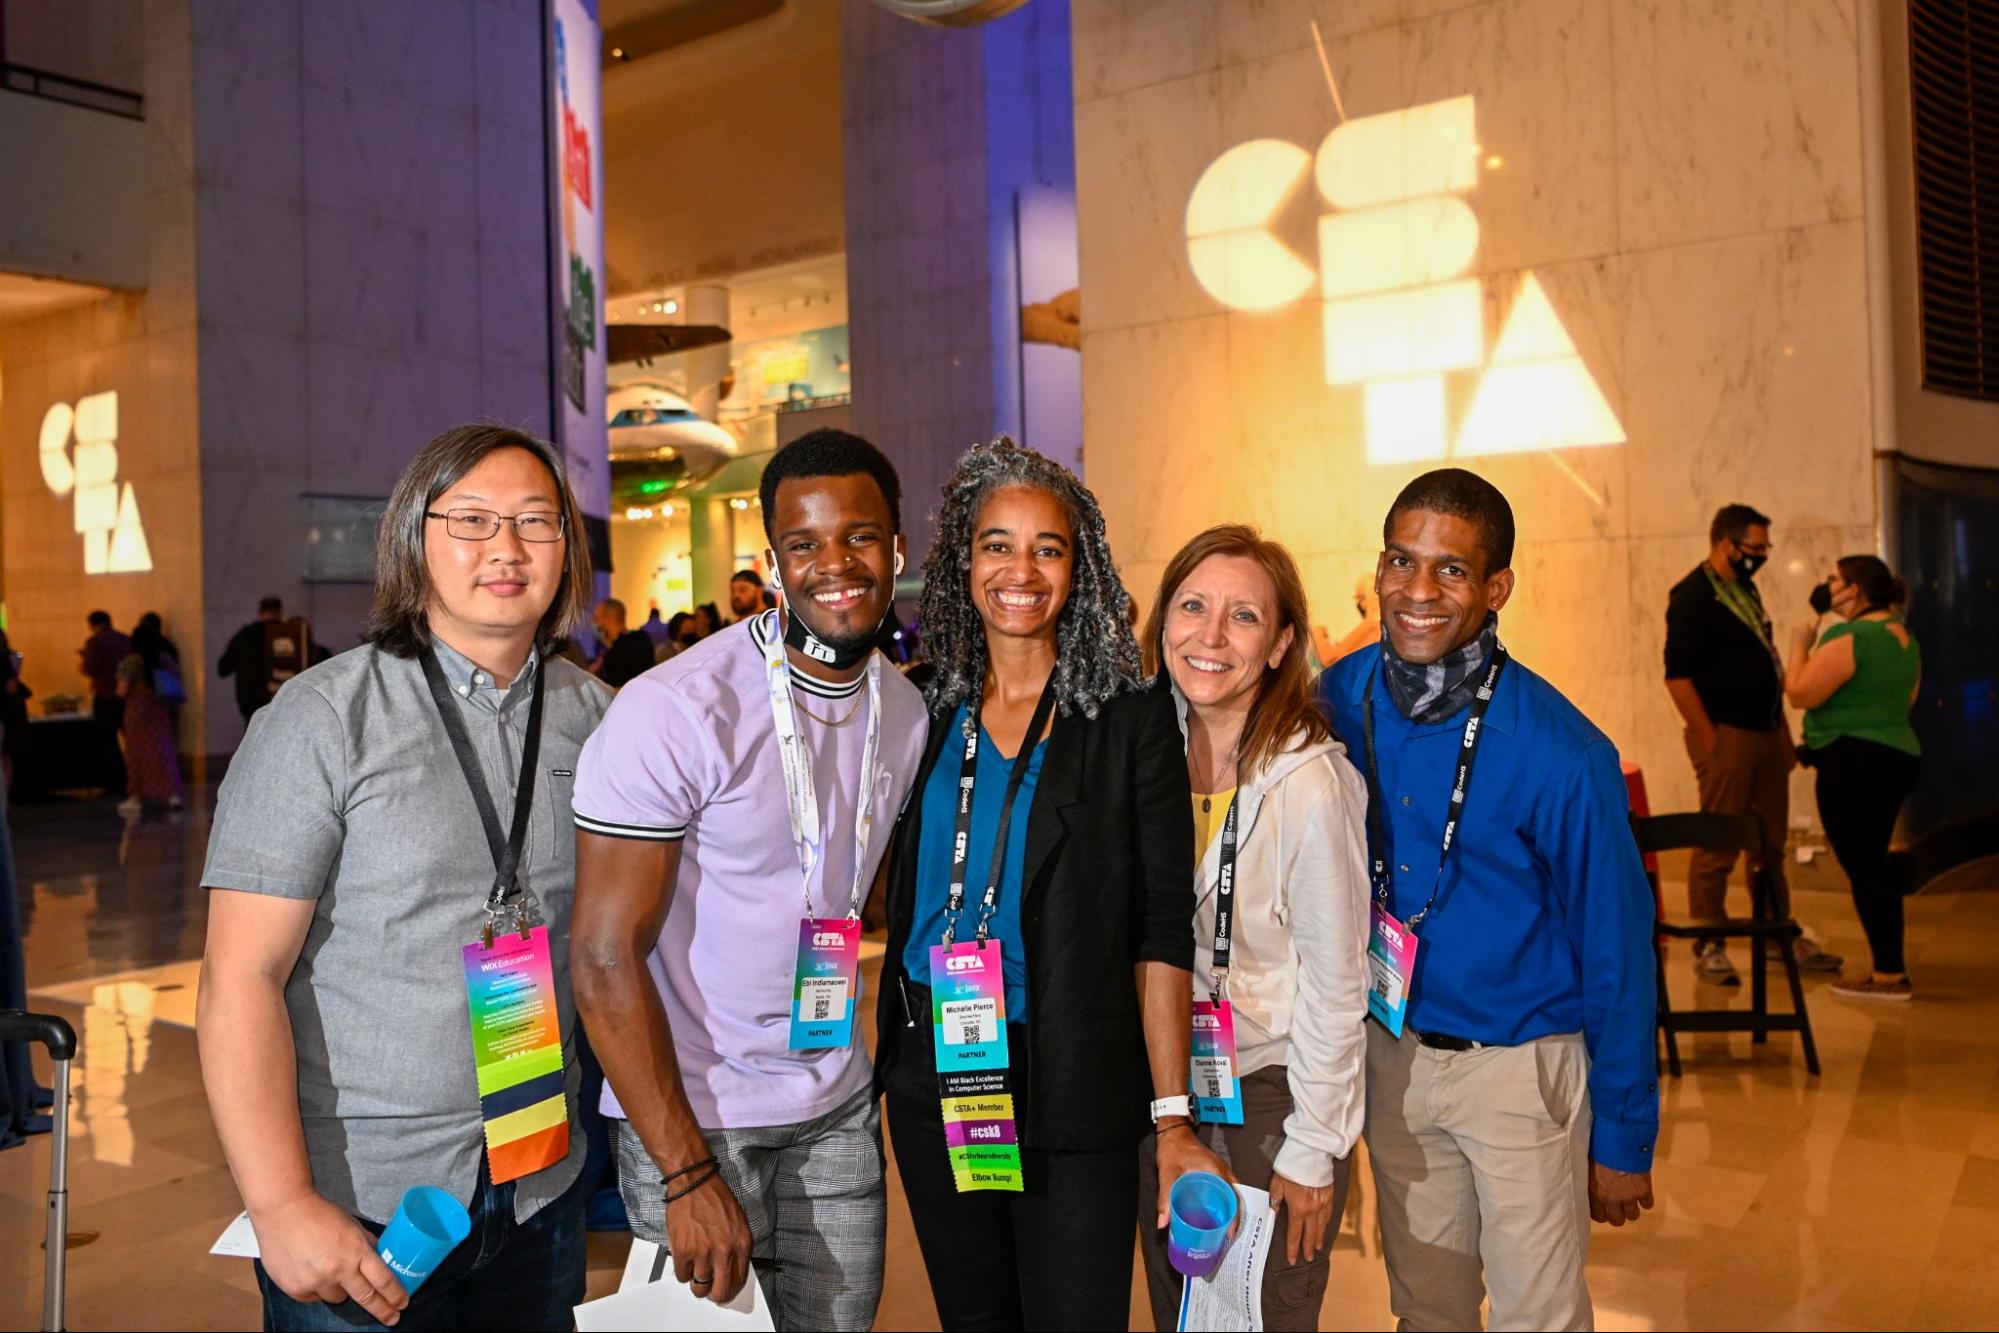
{"points": [[1298, 970]]}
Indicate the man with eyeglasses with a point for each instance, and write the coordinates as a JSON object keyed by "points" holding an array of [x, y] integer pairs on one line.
{"points": [[385, 996], [1726, 677]]}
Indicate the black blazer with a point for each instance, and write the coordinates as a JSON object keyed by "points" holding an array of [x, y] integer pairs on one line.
{"points": [[1108, 883]]}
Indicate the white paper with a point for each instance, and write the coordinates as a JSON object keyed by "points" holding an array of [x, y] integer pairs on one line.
{"points": [[1231, 1298], [238, 1240], [648, 1297]]}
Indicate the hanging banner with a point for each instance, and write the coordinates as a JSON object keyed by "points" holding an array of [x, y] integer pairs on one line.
{"points": [[576, 182]]}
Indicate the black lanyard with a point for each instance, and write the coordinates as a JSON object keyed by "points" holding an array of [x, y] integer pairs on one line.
{"points": [[1225, 897], [968, 776], [506, 851], [1467, 752]]}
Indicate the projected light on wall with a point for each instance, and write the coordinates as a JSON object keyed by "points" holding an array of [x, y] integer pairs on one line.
{"points": [[106, 514], [1401, 316]]}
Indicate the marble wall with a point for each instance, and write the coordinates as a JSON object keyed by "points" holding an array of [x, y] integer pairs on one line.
{"points": [[943, 128], [1683, 177], [347, 238], [371, 234], [141, 346]]}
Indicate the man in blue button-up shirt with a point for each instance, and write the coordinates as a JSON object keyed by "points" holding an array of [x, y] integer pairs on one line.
{"points": [[1521, 1097]]}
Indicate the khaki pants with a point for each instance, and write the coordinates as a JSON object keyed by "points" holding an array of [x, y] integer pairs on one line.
{"points": [[1747, 772], [1481, 1159]]}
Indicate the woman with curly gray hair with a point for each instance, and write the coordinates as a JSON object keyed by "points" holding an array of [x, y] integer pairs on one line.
{"points": [[1054, 789]]}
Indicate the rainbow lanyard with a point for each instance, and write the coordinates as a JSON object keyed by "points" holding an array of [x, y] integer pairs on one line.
{"points": [[509, 976]]}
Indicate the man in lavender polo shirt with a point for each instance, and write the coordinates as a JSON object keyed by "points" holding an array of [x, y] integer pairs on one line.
{"points": [[733, 1148]]}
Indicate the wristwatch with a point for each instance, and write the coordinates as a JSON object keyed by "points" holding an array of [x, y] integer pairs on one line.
{"points": [[1165, 1106]]}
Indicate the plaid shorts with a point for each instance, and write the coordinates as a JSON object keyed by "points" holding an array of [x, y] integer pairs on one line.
{"points": [[816, 1199]]}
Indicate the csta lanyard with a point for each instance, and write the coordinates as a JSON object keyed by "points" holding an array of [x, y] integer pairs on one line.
{"points": [[1454, 813], [506, 850], [968, 776], [801, 797], [1225, 901]]}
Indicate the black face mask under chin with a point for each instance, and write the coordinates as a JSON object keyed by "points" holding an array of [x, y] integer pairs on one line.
{"points": [[796, 635]]}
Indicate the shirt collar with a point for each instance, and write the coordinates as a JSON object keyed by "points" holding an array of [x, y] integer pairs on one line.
{"points": [[763, 626], [465, 676]]}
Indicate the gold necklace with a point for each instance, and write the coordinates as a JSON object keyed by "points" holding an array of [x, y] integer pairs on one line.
{"points": [[828, 722]]}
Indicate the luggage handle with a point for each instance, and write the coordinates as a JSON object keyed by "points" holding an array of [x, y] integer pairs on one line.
{"points": [[48, 1029]]}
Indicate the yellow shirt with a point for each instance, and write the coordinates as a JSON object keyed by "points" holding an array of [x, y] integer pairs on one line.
{"points": [[1210, 810]]}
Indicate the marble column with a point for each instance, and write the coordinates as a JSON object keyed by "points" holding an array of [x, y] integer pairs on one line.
{"points": [[943, 130]]}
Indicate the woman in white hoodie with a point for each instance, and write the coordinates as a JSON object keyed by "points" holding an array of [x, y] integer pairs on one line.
{"points": [[1283, 971]]}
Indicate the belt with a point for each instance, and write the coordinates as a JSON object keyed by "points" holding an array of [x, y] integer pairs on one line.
{"points": [[1439, 1041]]}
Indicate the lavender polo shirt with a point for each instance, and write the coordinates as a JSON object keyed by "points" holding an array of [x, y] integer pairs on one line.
{"points": [[688, 752]]}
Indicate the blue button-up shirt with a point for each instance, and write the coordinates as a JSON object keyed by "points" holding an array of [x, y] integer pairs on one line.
{"points": [[1544, 921]]}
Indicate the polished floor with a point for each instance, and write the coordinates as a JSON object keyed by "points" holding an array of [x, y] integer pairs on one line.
{"points": [[1867, 1198]]}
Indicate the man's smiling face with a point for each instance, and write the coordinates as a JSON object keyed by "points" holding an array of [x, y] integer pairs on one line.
{"points": [[1435, 590]]}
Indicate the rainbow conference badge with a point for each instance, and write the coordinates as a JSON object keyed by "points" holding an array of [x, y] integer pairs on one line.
{"points": [[1391, 961], [1212, 1064], [517, 1049], [827, 983], [968, 1020]]}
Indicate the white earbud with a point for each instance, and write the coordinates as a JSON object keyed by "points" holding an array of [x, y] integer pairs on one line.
{"points": [[898, 562]]}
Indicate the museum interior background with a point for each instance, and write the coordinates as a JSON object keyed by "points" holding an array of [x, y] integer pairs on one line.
{"points": [[1265, 261], [1230, 259]]}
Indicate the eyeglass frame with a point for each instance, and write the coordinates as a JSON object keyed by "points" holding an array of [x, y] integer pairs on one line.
{"points": [[561, 524]]}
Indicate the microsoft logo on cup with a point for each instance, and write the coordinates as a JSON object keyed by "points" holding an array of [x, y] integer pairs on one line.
{"points": [[1400, 316], [106, 514]]}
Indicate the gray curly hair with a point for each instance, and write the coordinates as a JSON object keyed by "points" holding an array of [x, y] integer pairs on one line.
{"points": [[1096, 657]]}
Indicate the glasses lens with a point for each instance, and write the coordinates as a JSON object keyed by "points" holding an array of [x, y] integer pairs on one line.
{"points": [[472, 524], [539, 526]]}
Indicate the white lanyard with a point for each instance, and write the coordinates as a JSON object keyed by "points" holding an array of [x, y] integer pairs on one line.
{"points": [[801, 798]]}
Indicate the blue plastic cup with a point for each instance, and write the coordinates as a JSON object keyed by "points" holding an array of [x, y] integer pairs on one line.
{"points": [[427, 1226], [1199, 1211]]}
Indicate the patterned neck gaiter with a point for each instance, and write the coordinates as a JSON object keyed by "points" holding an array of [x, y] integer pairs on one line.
{"points": [[1426, 694]]}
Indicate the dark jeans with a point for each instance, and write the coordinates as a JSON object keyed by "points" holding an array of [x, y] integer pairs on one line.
{"points": [[107, 711], [1861, 787], [1056, 1256], [506, 1274]]}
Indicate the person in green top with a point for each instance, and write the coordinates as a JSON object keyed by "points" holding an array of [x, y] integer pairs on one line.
{"points": [[1857, 686]]}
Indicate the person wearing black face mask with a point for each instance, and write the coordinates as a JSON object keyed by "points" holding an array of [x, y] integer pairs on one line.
{"points": [[1726, 677], [731, 813], [1857, 683]]}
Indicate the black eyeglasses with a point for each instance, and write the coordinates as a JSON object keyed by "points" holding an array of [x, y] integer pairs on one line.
{"points": [[478, 525]]}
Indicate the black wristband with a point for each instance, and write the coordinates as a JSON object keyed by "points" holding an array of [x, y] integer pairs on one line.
{"points": [[672, 1176], [695, 1184]]}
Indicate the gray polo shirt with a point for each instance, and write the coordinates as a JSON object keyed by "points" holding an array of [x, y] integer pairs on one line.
{"points": [[346, 792]]}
